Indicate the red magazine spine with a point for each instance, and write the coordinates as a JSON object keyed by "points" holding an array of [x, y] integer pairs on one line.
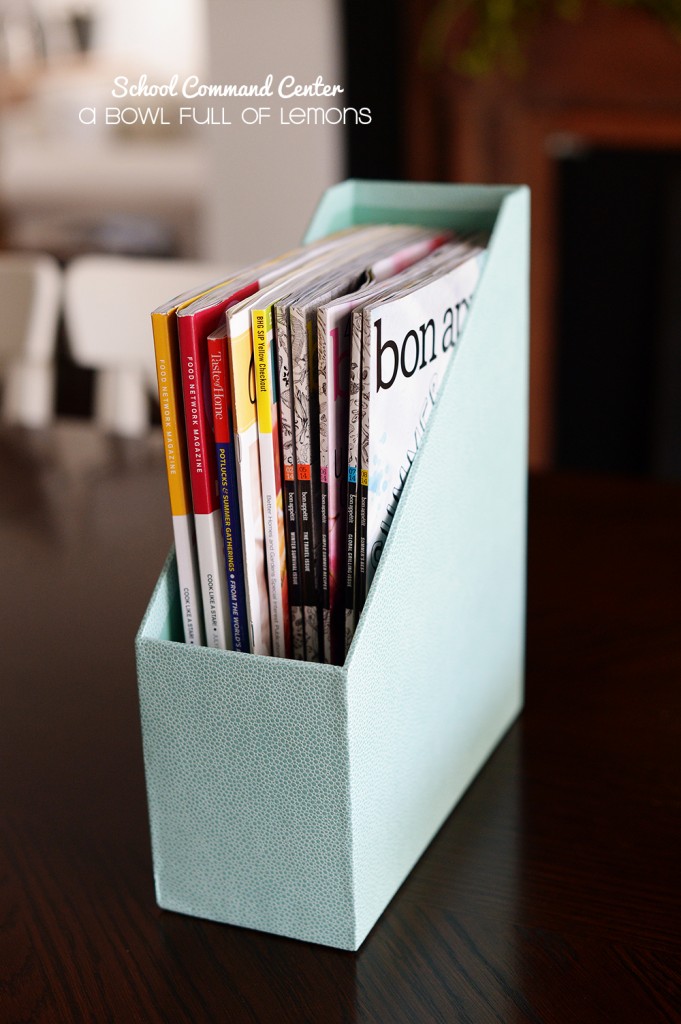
{"points": [[197, 403]]}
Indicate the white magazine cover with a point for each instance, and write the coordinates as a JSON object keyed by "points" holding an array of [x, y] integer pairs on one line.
{"points": [[408, 340], [419, 272], [334, 335]]}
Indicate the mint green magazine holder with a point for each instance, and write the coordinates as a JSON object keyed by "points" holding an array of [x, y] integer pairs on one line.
{"points": [[296, 798]]}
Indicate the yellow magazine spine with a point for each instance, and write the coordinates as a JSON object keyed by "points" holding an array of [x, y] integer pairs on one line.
{"points": [[261, 320], [172, 417], [243, 380]]}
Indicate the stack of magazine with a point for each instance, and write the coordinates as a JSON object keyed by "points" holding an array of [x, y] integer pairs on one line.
{"points": [[293, 399]]}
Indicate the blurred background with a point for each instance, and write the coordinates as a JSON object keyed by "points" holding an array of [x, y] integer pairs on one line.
{"points": [[580, 100]]}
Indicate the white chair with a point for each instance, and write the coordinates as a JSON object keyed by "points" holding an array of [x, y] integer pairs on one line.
{"points": [[30, 303], [107, 305]]}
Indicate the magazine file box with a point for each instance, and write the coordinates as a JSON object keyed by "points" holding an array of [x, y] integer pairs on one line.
{"points": [[295, 798]]}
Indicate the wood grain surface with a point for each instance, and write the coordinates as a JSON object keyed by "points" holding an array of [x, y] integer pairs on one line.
{"points": [[551, 894]]}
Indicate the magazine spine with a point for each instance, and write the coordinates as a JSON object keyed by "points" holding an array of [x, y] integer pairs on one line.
{"points": [[306, 416], [242, 382], [164, 331], [324, 483], [353, 461], [228, 492], [363, 465], [333, 332], [184, 537], [203, 477], [270, 480], [289, 482]]}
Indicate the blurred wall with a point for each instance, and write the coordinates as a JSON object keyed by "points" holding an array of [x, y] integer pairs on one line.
{"points": [[264, 181], [157, 35]]}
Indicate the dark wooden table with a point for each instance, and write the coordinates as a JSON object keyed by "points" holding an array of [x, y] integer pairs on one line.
{"points": [[551, 894]]}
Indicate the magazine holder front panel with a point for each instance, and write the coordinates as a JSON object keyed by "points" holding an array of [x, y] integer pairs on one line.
{"points": [[295, 798]]}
